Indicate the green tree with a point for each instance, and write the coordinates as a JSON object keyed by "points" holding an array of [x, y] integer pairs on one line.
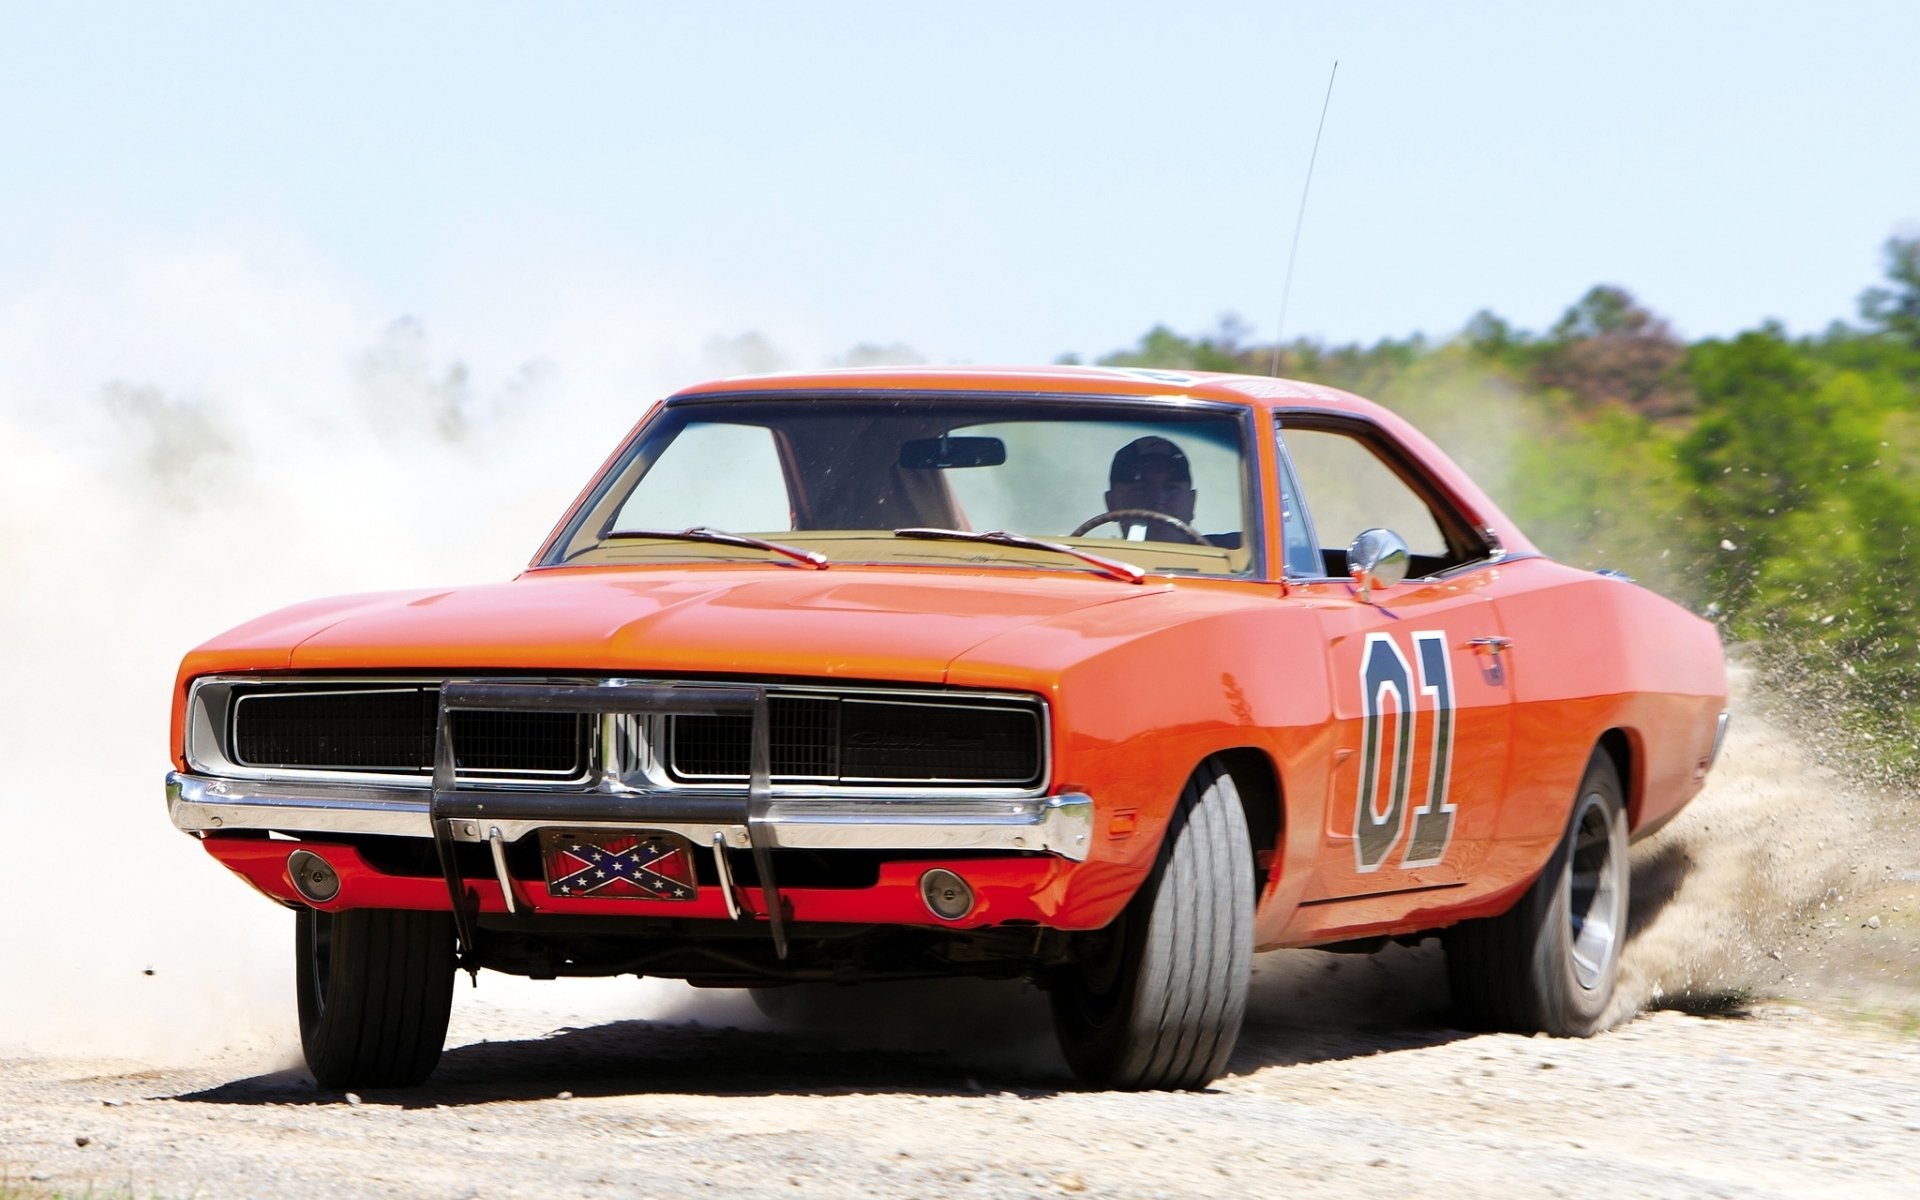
{"points": [[1162, 348], [1770, 441], [1895, 310], [1608, 349]]}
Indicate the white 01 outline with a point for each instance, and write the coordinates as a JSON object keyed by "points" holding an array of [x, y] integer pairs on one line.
{"points": [[1394, 674]]}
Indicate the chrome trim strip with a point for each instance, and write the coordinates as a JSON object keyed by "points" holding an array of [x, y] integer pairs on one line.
{"points": [[499, 847], [934, 392], [726, 875], [1060, 825], [200, 805]]}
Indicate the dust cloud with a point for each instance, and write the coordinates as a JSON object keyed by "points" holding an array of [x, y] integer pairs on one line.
{"points": [[1722, 897], [192, 436]]}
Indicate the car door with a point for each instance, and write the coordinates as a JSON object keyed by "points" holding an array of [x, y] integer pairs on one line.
{"points": [[1422, 720]]}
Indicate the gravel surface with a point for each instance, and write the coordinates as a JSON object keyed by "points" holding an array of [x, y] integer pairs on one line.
{"points": [[1782, 1102], [1775, 961]]}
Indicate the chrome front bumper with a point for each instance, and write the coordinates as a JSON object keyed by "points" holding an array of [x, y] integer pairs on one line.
{"points": [[1058, 825]]}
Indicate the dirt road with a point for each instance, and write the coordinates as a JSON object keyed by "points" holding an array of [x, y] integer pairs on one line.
{"points": [[1781, 1103], [1785, 901]]}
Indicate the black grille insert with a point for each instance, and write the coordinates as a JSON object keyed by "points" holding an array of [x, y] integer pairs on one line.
{"points": [[390, 730], [800, 741], [860, 740]]}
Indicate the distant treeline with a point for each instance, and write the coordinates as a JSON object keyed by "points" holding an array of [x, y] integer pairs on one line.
{"points": [[1770, 481]]}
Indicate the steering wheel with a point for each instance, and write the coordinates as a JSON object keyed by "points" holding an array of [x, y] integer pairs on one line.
{"points": [[1143, 514]]}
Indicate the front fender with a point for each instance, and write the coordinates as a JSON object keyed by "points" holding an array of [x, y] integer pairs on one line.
{"points": [[1143, 692]]}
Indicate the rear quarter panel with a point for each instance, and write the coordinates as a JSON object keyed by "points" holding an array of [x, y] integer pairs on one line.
{"points": [[1590, 654]]}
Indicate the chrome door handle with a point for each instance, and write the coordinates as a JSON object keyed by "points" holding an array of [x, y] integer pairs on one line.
{"points": [[1488, 645]]}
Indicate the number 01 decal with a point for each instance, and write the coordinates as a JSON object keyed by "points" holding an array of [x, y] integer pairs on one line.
{"points": [[1380, 809]]}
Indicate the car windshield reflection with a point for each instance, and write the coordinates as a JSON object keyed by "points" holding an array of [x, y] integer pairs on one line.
{"points": [[1162, 485]]}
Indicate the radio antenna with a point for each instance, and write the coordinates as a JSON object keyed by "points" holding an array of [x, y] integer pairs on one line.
{"points": [[1286, 287]]}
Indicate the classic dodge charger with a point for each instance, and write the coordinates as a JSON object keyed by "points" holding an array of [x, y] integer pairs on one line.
{"points": [[1101, 679]]}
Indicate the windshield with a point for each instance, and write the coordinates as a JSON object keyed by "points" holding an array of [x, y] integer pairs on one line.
{"points": [[1166, 487]]}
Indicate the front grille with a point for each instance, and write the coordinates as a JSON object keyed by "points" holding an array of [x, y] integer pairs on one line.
{"points": [[913, 741], [860, 740], [519, 743], [801, 734], [385, 730], [391, 730]]}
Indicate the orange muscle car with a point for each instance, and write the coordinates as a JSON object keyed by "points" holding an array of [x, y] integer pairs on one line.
{"points": [[1102, 679]]}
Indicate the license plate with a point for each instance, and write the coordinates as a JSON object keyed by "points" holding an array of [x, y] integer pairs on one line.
{"points": [[606, 864]]}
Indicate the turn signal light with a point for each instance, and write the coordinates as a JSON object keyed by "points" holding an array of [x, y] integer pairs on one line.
{"points": [[947, 895], [312, 877]]}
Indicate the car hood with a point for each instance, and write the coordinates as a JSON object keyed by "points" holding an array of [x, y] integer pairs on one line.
{"points": [[767, 621]]}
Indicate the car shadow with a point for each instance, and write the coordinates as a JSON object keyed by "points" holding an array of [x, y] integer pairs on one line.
{"points": [[945, 1038], [1310, 1006], [641, 1058], [948, 1038]]}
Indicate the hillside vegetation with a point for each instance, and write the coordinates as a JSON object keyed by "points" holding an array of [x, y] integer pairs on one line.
{"points": [[1768, 480]]}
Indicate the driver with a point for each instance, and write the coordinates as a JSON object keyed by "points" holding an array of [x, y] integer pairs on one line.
{"points": [[1150, 475]]}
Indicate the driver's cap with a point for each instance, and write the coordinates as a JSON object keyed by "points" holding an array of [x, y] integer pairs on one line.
{"points": [[1131, 459]]}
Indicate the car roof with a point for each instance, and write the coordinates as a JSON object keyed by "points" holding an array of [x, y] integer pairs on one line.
{"points": [[1067, 379]]}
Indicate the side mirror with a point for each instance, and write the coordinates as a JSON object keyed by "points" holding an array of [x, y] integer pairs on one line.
{"points": [[1377, 558]]}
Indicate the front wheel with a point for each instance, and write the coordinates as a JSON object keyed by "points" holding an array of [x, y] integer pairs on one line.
{"points": [[376, 991], [1549, 963], [1155, 999]]}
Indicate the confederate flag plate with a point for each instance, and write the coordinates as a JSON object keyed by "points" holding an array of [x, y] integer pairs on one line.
{"points": [[608, 864]]}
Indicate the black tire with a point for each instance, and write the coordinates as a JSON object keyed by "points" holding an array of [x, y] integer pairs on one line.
{"points": [[376, 988], [1549, 964], [1155, 999]]}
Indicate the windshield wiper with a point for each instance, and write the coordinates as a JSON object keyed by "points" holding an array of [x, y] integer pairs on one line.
{"points": [[1112, 566], [700, 533]]}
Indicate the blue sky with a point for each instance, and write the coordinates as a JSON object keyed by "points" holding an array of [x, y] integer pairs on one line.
{"points": [[987, 182]]}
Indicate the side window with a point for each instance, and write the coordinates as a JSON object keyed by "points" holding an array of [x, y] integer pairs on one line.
{"points": [[726, 476], [1347, 487]]}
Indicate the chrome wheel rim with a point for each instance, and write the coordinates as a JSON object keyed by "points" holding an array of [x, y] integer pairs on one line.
{"points": [[1595, 889]]}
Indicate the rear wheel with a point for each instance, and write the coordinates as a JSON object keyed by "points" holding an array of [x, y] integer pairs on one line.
{"points": [[376, 989], [1549, 963], [1155, 999]]}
